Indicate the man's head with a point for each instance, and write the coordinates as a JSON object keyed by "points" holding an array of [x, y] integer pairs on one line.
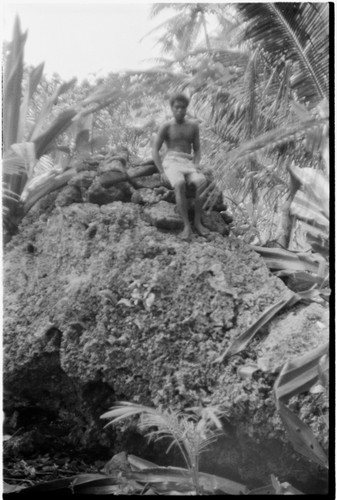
{"points": [[179, 103]]}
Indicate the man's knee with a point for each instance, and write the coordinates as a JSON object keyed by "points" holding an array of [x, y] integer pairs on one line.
{"points": [[200, 182], [180, 185]]}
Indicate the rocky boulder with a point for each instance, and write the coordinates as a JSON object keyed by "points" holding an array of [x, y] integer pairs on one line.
{"points": [[101, 304]]}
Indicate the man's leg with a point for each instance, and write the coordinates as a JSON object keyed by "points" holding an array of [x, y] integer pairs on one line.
{"points": [[199, 181], [181, 201]]}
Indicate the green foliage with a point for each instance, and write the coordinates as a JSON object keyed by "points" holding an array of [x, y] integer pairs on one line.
{"points": [[264, 60], [297, 33], [192, 432], [21, 159]]}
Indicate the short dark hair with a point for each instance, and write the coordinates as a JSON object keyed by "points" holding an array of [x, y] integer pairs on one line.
{"points": [[179, 97]]}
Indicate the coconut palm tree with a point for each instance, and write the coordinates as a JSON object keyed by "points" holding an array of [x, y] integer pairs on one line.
{"points": [[297, 32], [183, 29], [293, 40]]}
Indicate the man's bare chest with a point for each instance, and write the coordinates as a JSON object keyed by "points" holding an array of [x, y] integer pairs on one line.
{"points": [[178, 132]]}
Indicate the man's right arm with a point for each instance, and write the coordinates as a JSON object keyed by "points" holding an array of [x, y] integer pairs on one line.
{"points": [[157, 144]]}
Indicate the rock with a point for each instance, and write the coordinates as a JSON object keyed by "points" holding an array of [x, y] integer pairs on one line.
{"points": [[169, 196], [214, 222], [145, 196], [219, 205], [107, 308], [227, 217], [164, 216], [111, 178], [86, 165], [112, 165], [83, 179], [150, 181], [98, 194], [68, 195], [293, 334]]}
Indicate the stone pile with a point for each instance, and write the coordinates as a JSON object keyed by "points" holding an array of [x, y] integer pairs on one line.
{"points": [[105, 179]]}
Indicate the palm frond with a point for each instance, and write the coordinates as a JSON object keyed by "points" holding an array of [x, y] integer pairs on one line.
{"points": [[159, 7], [298, 32], [124, 409], [167, 23], [191, 431], [37, 129], [266, 142]]}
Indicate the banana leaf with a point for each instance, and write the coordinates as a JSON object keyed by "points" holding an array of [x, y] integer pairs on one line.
{"points": [[301, 279], [59, 485], [299, 374], [296, 376], [11, 488], [59, 125], [240, 343], [263, 490], [323, 370], [98, 484], [33, 81], [302, 438], [182, 477], [276, 488], [48, 185], [12, 86], [315, 188], [278, 258], [140, 463], [209, 481], [283, 488], [318, 244], [310, 212]]}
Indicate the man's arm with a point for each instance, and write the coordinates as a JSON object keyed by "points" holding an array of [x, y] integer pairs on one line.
{"points": [[157, 144], [196, 146]]}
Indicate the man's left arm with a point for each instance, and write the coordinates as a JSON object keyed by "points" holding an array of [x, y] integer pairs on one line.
{"points": [[196, 147]]}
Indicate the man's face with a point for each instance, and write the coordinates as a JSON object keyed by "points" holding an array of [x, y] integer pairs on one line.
{"points": [[179, 111]]}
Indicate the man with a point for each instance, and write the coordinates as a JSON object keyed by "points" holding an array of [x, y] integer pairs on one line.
{"points": [[179, 166]]}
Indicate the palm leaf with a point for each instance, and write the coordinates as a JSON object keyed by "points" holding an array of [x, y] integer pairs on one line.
{"points": [[300, 31], [124, 409], [166, 421], [262, 144]]}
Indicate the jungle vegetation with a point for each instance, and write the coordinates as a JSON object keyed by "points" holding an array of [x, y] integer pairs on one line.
{"points": [[258, 79]]}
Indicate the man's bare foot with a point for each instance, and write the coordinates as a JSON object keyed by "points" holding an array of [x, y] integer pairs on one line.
{"points": [[202, 230], [186, 234]]}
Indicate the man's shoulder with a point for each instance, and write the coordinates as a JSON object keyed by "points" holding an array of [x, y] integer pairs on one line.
{"points": [[191, 122], [165, 126]]}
